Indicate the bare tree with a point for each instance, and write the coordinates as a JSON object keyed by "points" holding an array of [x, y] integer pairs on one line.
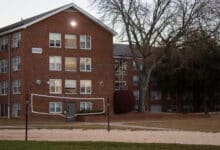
{"points": [[155, 23]]}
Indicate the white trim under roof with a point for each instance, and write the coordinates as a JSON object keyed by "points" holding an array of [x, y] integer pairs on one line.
{"points": [[58, 11]]}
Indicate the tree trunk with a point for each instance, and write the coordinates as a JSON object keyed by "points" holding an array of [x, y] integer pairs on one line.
{"points": [[143, 88]]}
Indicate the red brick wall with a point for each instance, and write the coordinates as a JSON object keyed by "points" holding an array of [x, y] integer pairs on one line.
{"points": [[36, 66]]}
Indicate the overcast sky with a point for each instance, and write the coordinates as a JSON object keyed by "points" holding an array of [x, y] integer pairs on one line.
{"points": [[13, 10]]}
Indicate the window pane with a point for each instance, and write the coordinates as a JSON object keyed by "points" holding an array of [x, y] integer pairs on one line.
{"points": [[55, 40], [70, 86], [52, 107], [70, 41], [85, 42], [70, 64]]}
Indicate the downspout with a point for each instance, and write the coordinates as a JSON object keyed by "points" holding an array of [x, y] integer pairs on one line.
{"points": [[9, 76]]}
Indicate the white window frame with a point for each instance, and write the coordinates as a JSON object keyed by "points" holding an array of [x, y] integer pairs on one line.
{"points": [[16, 110], [3, 66], [55, 63], [71, 37], [16, 86], [74, 83], [16, 63], [55, 37], [83, 85], [16, 40], [83, 62], [4, 87], [73, 70], [4, 43], [83, 39], [85, 106], [55, 107], [55, 82]]}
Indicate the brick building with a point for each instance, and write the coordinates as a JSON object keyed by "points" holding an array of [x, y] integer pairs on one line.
{"points": [[126, 78], [61, 61]]}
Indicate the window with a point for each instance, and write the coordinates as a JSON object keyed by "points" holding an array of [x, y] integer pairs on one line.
{"points": [[85, 106], [55, 86], [135, 66], [155, 95], [16, 85], [70, 41], [55, 40], [16, 110], [55, 107], [3, 88], [3, 109], [85, 87], [155, 108], [55, 63], [135, 80], [16, 40], [136, 95], [3, 43], [70, 86], [3, 66], [70, 64], [16, 63], [85, 42], [121, 75], [85, 64]]}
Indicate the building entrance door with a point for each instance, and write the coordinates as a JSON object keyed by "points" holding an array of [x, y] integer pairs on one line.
{"points": [[71, 111]]}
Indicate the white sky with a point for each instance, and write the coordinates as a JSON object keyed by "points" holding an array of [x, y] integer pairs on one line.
{"points": [[13, 10]]}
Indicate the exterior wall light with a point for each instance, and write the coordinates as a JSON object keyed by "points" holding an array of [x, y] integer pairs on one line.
{"points": [[73, 23]]}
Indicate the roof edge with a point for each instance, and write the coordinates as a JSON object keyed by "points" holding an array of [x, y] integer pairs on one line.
{"points": [[58, 11]]}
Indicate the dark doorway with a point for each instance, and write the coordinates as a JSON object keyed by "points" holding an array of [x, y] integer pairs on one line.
{"points": [[70, 111]]}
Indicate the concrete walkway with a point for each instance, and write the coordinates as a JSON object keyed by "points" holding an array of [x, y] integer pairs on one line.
{"points": [[127, 126]]}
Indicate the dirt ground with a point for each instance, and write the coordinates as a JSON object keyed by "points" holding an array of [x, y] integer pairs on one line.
{"points": [[180, 137]]}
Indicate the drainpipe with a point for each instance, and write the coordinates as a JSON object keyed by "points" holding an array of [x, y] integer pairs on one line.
{"points": [[9, 76]]}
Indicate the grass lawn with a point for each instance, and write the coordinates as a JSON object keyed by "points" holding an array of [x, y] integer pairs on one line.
{"points": [[18, 145], [209, 124]]}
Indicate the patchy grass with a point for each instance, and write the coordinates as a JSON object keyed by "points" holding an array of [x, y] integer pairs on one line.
{"points": [[18, 145], [209, 124]]}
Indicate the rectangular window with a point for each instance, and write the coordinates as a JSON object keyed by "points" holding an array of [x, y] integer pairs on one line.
{"points": [[135, 80], [16, 86], [16, 63], [3, 66], [121, 74], [85, 87], [55, 86], [155, 95], [4, 87], [136, 95], [85, 106], [85, 64], [70, 64], [70, 87], [70, 41], [3, 43], [55, 107], [85, 42], [16, 40], [16, 110], [55, 40], [55, 63]]}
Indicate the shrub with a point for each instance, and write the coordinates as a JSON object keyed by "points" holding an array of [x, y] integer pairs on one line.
{"points": [[123, 101]]}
